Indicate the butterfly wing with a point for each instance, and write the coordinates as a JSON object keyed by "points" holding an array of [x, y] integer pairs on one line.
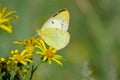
{"points": [[59, 20], [57, 38]]}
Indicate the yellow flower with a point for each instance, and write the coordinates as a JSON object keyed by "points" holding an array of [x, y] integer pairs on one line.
{"points": [[2, 59], [29, 45], [5, 64], [5, 19], [48, 54], [22, 57]]}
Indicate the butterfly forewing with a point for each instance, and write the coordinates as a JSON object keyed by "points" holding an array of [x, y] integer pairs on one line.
{"points": [[59, 20]]}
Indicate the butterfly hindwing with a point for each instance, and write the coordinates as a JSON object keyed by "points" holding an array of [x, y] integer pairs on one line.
{"points": [[55, 37]]}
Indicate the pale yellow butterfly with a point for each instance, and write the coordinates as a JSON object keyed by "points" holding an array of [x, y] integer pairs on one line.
{"points": [[54, 31]]}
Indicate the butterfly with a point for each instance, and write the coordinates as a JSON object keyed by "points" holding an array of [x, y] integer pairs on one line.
{"points": [[54, 30]]}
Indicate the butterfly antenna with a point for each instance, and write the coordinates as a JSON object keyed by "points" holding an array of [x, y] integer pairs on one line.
{"points": [[34, 34]]}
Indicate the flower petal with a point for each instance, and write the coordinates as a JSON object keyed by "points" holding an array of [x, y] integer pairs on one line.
{"points": [[42, 53], [57, 61], [28, 60], [49, 61], [23, 52], [44, 58], [3, 10], [23, 62], [8, 28], [9, 14], [58, 57]]}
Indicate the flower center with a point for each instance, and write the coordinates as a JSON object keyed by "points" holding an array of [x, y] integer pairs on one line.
{"points": [[19, 57], [49, 53]]}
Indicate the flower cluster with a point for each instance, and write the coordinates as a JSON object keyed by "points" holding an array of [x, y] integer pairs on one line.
{"points": [[5, 19], [47, 53], [21, 60]]}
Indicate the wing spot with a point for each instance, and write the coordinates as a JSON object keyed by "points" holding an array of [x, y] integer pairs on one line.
{"points": [[62, 25], [52, 22]]}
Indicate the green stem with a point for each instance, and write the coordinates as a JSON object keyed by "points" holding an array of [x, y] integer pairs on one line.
{"points": [[31, 73], [34, 69]]}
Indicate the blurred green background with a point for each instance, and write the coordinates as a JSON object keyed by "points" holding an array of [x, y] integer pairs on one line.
{"points": [[94, 49]]}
